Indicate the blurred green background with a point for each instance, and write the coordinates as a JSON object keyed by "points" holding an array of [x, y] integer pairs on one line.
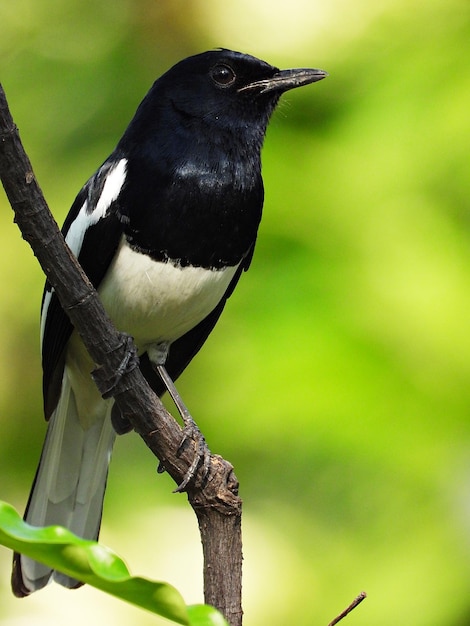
{"points": [[337, 381]]}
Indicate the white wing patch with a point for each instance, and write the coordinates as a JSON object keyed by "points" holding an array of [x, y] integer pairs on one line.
{"points": [[113, 184], [45, 306], [111, 189]]}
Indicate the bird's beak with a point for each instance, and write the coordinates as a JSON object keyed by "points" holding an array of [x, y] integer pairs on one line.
{"points": [[285, 80]]}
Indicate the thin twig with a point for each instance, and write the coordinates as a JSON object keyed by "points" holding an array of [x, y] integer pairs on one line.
{"points": [[351, 607]]}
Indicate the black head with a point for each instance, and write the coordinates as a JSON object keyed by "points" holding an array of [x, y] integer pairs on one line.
{"points": [[219, 82], [194, 190], [222, 89]]}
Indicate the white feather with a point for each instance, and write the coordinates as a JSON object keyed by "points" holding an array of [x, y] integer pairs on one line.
{"points": [[71, 478], [114, 181], [113, 184], [45, 307], [111, 189]]}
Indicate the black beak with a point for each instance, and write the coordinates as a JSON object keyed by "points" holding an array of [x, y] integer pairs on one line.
{"points": [[285, 80]]}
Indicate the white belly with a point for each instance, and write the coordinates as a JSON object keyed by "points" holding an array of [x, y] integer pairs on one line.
{"points": [[158, 302]]}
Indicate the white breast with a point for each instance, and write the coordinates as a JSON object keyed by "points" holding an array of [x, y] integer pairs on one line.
{"points": [[159, 302]]}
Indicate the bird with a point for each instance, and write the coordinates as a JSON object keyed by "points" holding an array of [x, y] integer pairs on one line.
{"points": [[163, 229]]}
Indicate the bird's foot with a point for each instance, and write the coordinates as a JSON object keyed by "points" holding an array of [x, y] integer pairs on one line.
{"points": [[201, 452], [190, 432]]}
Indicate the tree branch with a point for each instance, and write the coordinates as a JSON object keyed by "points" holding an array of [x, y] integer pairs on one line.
{"points": [[214, 498], [357, 600]]}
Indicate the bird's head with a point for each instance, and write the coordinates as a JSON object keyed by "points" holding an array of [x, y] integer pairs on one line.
{"points": [[230, 87], [220, 91]]}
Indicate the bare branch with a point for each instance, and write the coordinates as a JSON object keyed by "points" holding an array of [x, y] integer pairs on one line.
{"points": [[351, 607], [215, 498]]}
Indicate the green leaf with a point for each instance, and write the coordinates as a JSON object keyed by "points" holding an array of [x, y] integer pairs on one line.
{"points": [[96, 565], [204, 615]]}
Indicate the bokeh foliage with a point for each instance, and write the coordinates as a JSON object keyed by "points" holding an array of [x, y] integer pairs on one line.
{"points": [[337, 379]]}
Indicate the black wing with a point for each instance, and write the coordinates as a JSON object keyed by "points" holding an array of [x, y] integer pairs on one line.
{"points": [[93, 231]]}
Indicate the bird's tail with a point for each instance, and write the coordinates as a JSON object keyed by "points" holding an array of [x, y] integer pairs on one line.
{"points": [[68, 488]]}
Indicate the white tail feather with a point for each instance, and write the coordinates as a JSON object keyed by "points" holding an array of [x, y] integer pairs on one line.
{"points": [[71, 480]]}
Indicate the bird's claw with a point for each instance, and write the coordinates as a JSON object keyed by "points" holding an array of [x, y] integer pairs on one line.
{"points": [[201, 453]]}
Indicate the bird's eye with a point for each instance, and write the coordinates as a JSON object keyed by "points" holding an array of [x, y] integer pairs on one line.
{"points": [[223, 75]]}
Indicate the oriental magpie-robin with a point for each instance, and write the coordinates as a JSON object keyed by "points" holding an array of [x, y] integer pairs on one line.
{"points": [[163, 229]]}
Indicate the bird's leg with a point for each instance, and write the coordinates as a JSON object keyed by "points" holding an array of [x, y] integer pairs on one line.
{"points": [[158, 354], [191, 430]]}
